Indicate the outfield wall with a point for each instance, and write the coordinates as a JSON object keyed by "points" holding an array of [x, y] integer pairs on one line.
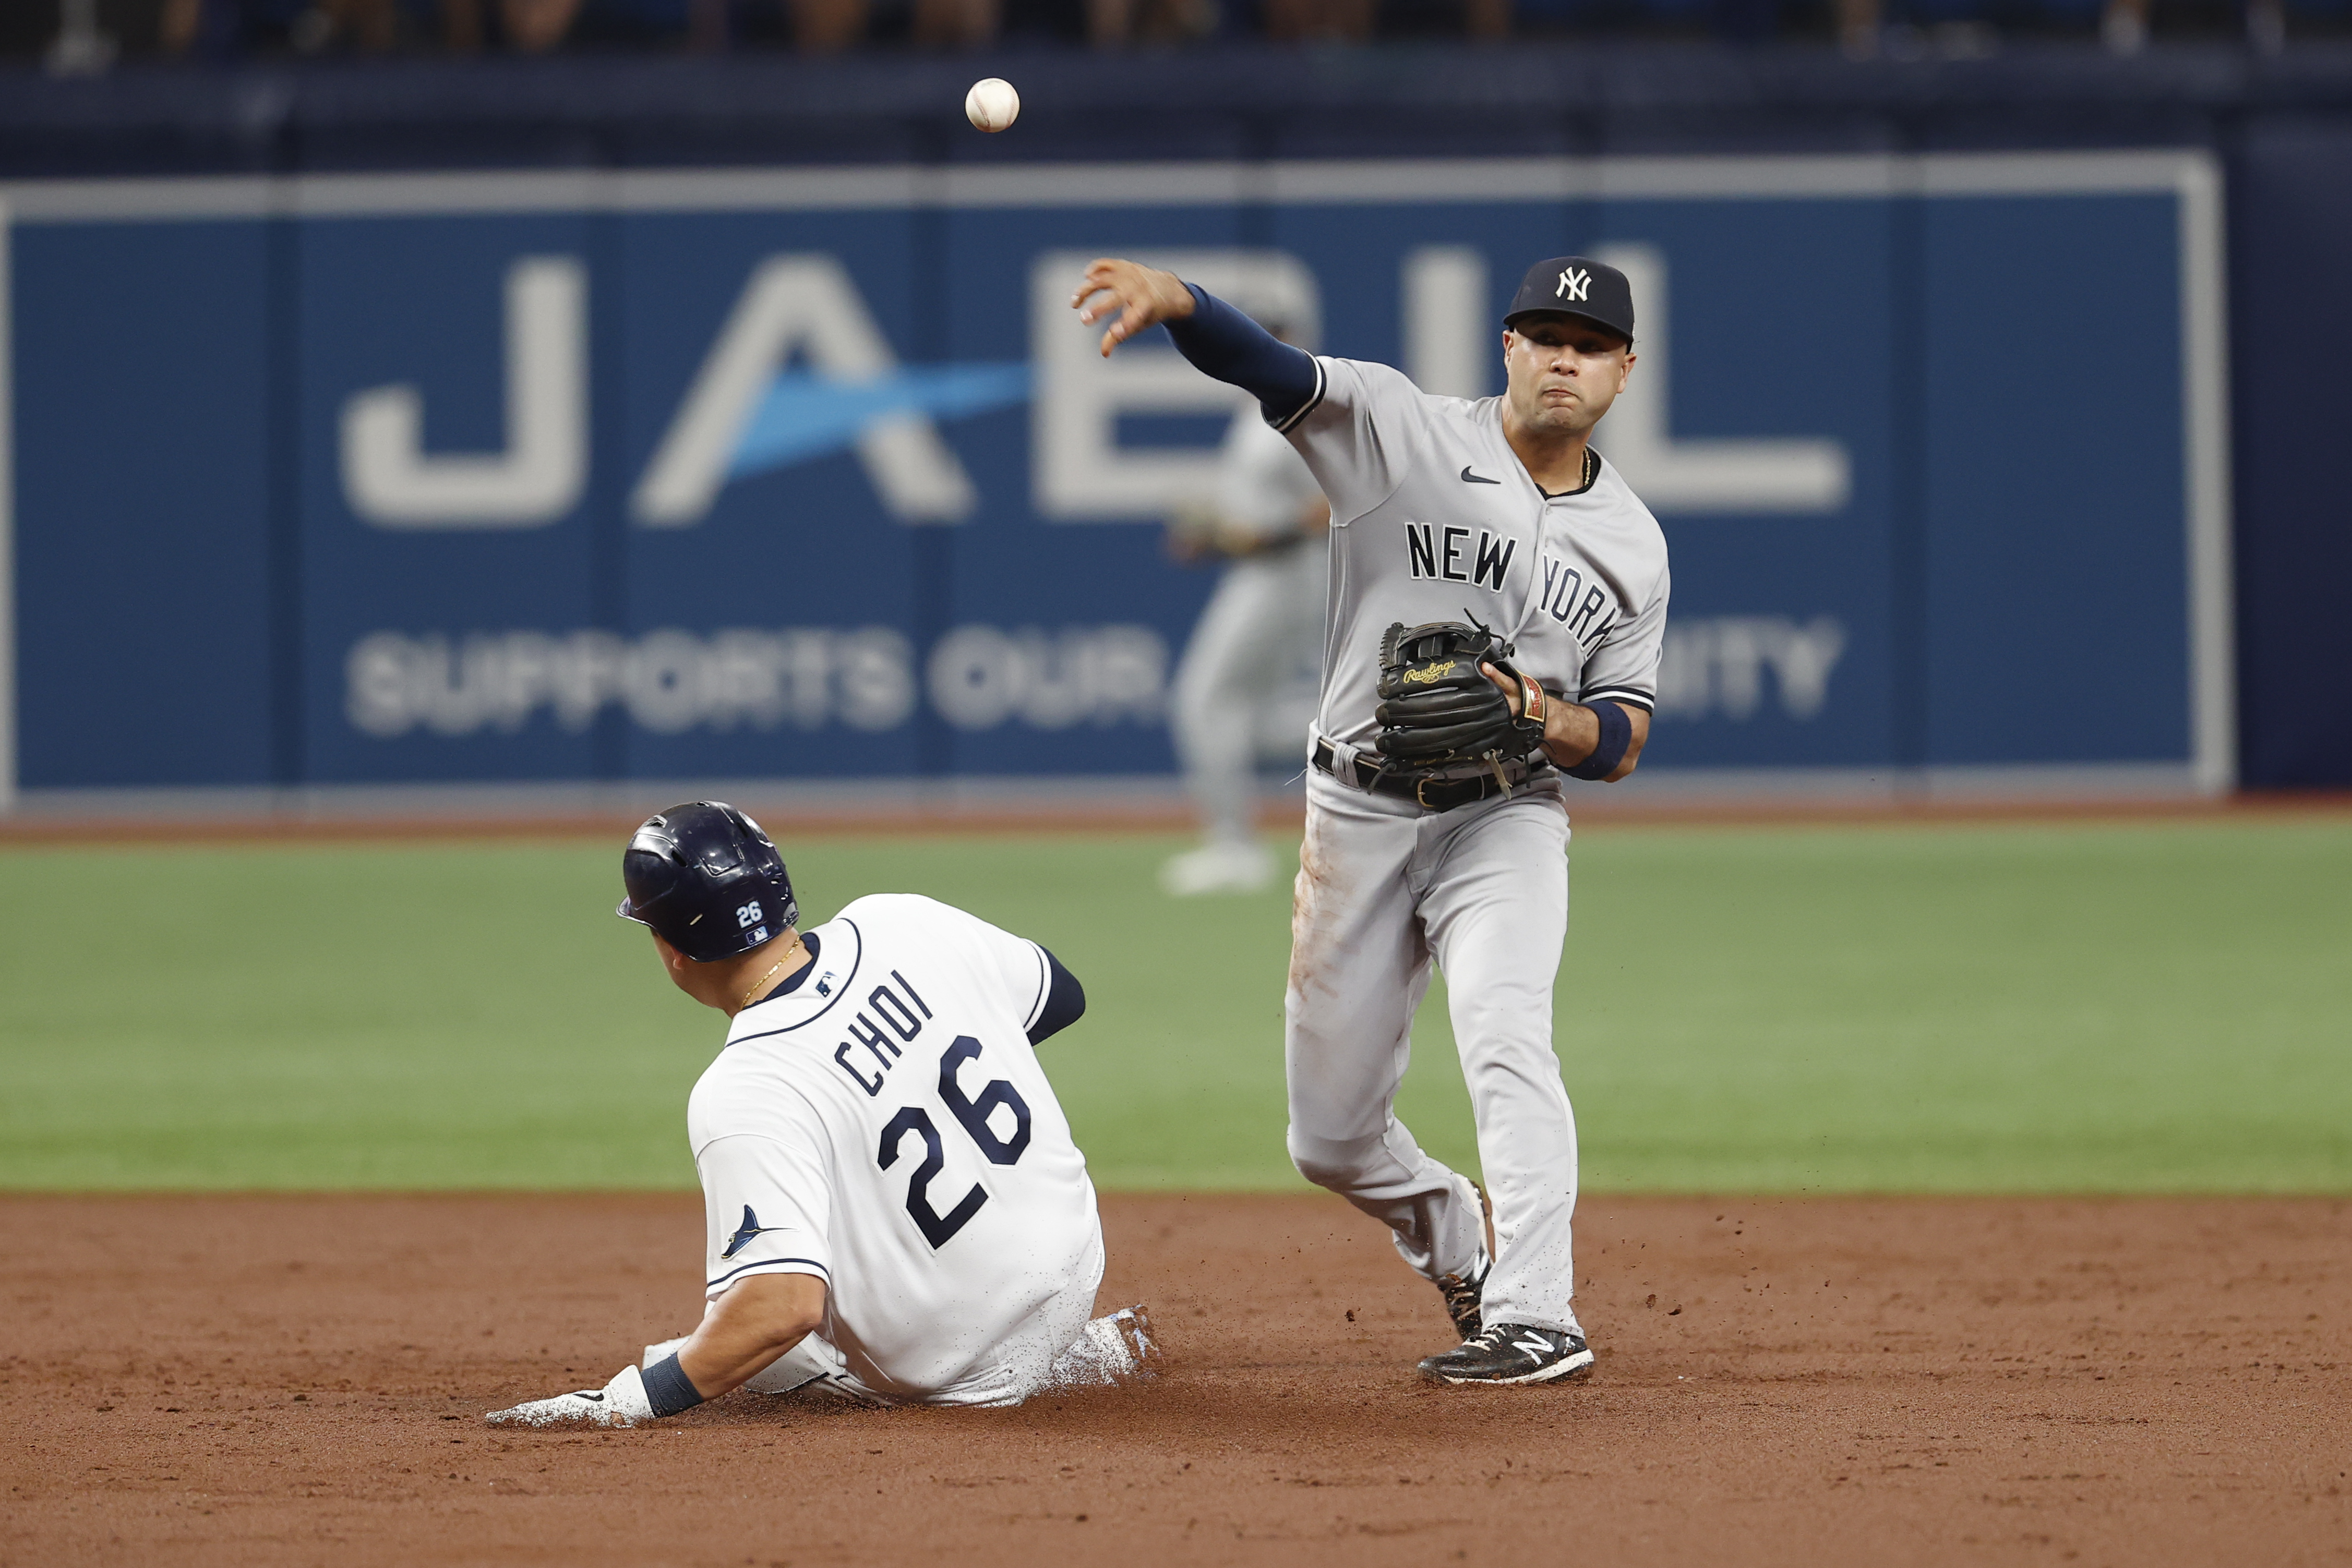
{"points": [[805, 474], [2291, 250]]}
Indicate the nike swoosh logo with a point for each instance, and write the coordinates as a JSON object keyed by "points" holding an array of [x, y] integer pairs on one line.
{"points": [[598, 1396], [1470, 478]]}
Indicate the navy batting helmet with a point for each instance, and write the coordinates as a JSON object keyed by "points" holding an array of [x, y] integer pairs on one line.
{"points": [[708, 882]]}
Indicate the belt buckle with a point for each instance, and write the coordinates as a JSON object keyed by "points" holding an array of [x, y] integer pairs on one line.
{"points": [[1419, 799]]}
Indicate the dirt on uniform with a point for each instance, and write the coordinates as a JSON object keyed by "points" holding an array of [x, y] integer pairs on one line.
{"points": [[301, 1380]]}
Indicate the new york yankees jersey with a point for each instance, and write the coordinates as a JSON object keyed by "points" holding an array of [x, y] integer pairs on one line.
{"points": [[1433, 515], [885, 1126]]}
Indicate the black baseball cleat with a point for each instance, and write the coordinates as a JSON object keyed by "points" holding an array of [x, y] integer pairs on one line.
{"points": [[1463, 1293], [1512, 1353]]}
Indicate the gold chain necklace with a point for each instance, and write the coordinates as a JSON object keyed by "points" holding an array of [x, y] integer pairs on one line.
{"points": [[770, 975]]}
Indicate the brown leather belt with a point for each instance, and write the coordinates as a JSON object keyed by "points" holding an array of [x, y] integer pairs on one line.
{"points": [[1429, 792]]}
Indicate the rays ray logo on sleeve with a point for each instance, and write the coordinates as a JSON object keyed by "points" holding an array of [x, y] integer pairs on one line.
{"points": [[751, 1231]]}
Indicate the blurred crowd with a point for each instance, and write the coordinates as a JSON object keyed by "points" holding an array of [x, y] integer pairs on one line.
{"points": [[88, 35]]}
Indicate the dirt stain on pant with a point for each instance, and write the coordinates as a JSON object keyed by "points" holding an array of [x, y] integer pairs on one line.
{"points": [[1312, 893]]}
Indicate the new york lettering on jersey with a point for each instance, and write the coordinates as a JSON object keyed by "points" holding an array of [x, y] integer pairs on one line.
{"points": [[1442, 552], [1481, 556]]}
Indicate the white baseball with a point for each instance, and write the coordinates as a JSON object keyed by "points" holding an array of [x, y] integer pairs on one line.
{"points": [[991, 104]]}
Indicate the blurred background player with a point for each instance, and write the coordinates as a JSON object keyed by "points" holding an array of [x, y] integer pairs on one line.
{"points": [[897, 1213], [1246, 683]]}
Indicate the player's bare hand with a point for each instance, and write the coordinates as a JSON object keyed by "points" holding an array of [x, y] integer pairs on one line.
{"points": [[1509, 687], [1140, 297]]}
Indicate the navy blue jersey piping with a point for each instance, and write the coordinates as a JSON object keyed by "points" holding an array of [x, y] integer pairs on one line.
{"points": [[769, 1263], [828, 1007], [1315, 400], [1045, 987]]}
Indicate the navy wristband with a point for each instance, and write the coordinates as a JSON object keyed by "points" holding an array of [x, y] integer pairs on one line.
{"points": [[667, 1387], [1616, 739]]}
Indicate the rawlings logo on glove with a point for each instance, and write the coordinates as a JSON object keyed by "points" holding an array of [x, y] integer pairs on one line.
{"points": [[1438, 709]]}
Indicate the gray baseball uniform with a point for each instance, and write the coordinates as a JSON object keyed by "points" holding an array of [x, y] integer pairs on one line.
{"points": [[1433, 516], [1264, 606]]}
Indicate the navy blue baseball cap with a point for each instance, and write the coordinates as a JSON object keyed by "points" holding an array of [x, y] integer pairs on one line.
{"points": [[1576, 285]]}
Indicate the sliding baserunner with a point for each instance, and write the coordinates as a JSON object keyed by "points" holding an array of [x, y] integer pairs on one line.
{"points": [[896, 1211]]}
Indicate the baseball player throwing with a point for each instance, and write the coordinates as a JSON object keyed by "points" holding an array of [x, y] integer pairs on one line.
{"points": [[1497, 601], [897, 1214]]}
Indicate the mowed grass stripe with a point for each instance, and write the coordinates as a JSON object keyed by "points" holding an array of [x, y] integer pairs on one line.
{"points": [[2146, 1006]]}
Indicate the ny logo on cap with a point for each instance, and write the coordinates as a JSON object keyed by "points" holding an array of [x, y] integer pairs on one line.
{"points": [[1572, 283]]}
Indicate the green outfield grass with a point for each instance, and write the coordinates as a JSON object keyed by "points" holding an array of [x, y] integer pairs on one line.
{"points": [[2161, 1007]]}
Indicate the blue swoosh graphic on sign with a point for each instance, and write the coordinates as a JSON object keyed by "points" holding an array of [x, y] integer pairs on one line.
{"points": [[804, 415]]}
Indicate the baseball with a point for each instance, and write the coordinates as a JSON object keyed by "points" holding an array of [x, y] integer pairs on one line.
{"points": [[991, 104]]}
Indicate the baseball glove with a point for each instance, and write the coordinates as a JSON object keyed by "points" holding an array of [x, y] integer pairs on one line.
{"points": [[1437, 708]]}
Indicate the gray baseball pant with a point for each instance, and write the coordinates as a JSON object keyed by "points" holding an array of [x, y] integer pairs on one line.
{"points": [[1383, 887]]}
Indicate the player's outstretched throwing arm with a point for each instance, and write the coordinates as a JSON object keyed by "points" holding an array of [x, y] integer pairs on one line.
{"points": [[1219, 340]]}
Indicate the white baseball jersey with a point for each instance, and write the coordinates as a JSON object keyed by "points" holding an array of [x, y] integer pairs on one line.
{"points": [[885, 1126], [1433, 515]]}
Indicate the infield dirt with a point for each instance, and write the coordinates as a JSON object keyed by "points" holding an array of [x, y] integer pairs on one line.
{"points": [[299, 1380]]}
